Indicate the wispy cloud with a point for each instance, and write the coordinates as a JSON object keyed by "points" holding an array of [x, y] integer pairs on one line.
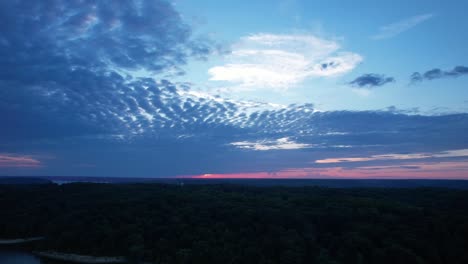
{"points": [[410, 156], [282, 61], [18, 161], [399, 27]]}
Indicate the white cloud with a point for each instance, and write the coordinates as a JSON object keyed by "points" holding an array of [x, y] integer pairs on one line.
{"points": [[282, 61], [278, 144], [396, 28]]}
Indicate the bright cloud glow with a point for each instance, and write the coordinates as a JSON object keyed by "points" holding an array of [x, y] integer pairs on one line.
{"points": [[282, 61], [394, 29], [281, 143]]}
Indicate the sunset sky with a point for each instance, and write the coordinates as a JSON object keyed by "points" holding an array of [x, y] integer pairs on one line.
{"points": [[236, 89]]}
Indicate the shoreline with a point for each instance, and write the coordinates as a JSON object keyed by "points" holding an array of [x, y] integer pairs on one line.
{"points": [[18, 241], [75, 258], [60, 256]]}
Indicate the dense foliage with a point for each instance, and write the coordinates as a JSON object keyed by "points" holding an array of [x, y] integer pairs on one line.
{"points": [[241, 224]]}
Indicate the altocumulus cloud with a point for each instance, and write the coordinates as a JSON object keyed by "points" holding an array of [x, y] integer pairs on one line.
{"points": [[64, 92], [281, 61]]}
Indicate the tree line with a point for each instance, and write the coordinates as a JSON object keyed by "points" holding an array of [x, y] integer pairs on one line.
{"points": [[241, 224]]}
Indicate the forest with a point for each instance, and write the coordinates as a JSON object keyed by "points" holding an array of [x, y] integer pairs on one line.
{"points": [[227, 223]]}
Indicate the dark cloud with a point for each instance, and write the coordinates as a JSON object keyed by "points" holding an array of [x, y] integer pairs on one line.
{"points": [[438, 73], [371, 80], [95, 34], [59, 63]]}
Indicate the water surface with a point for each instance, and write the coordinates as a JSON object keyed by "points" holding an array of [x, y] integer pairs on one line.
{"points": [[18, 257]]}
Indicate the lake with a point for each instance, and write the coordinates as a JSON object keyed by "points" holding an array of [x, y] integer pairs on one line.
{"points": [[15, 256], [18, 257]]}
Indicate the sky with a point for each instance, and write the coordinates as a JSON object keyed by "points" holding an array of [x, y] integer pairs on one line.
{"points": [[234, 89]]}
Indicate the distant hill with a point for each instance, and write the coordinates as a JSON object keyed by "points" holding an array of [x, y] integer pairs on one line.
{"points": [[23, 180]]}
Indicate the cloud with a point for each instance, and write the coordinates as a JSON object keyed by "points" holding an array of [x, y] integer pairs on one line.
{"points": [[65, 92], [282, 61], [129, 35], [436, 170], [18, 161], [278, 144], [394, 29], [371, 80], [202, 133], [409, 156], [438, 74], [63, 64]]}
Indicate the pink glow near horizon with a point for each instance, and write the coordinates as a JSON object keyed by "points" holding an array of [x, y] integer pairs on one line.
{"points": [[16, 161], [446, 170]]}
